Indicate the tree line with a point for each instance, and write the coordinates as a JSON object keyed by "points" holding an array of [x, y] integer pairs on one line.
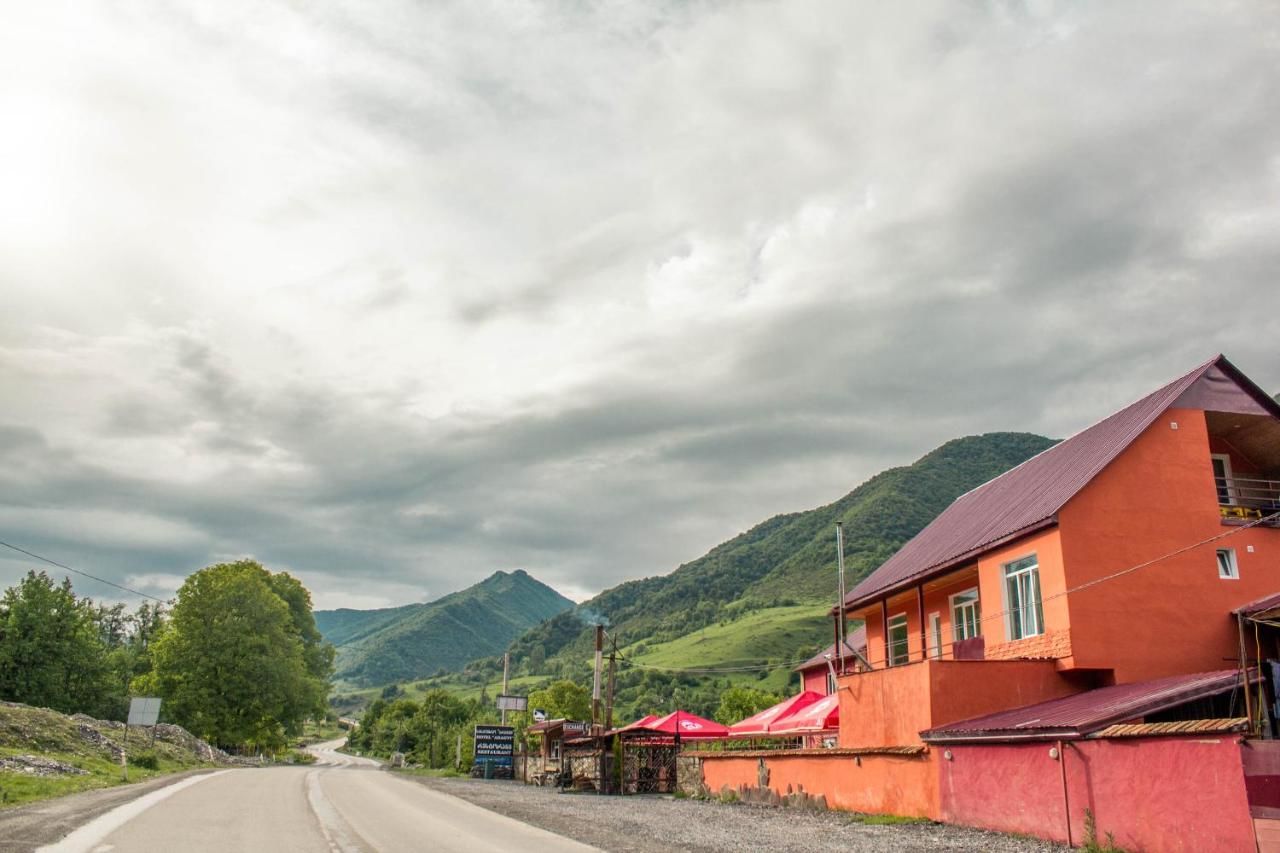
{"points": [[236, 656]]}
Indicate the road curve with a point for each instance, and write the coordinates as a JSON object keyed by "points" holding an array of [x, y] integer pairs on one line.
{"points": [[342, 804]]}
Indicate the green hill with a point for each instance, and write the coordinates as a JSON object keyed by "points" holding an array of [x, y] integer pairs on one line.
{"points": [[403, 643], [789, 559]]}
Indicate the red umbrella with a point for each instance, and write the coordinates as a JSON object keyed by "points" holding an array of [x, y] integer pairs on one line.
{"points": [[686, 725], [760, 723], [821, 716], [641, 723]]}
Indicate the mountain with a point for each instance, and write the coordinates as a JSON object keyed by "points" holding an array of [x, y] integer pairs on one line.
{"points": [[789, 559], [403, 643]]}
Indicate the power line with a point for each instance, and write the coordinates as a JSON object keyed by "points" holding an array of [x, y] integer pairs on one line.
{"points": [[1000, 614], [77, 571]]}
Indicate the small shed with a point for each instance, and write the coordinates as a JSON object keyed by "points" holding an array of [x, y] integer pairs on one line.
{"points": [[551, 734]]}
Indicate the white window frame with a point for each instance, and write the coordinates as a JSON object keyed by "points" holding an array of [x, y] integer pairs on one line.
{"points": [[1035, 611], [935, 635], [957, 623], [888, 635], [1232, 564], [1228, 478], [831, 683]]}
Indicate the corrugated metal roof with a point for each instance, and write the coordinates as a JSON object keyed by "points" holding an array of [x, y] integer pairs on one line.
{"points": [[856, 641], [1262, 605], [1084, 713], [1183, 727], [1028, 497]]}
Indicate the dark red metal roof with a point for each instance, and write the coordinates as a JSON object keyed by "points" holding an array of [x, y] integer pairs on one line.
{"points": [[1091, 711], [1262, 605], [855, 642], [1028, 497]]}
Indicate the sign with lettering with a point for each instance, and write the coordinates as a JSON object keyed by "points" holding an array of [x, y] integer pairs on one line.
{"points": [[572, 728], [496, 744], [512, 703]]}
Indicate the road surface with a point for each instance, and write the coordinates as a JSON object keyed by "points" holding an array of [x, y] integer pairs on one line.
{"points": [[341, 804]]}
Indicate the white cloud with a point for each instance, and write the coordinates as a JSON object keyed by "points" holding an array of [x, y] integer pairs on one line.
{"points": [[397, 297]]}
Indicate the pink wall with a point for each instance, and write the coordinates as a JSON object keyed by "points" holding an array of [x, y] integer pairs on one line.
{"points": [[1158, 795]]}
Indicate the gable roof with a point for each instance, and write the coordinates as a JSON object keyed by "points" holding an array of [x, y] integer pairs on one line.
{"points": [[1092, 711], [1027, 498]]}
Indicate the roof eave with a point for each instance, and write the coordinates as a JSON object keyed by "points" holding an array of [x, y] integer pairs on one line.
{"points": [[944, 567]]}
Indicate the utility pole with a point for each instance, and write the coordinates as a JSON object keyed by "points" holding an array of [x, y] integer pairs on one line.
{"points": [[608, 705], [840, 623], [595, 685], [506, 668]]}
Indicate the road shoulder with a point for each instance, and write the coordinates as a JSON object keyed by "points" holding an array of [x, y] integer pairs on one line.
{"points": [[28, 827]]}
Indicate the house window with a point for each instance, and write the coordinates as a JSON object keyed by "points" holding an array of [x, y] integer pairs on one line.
{"points": [[1222, 479], [1228, 568], [898, 649], [966, 615], [935, 635], [555, 750], [831, 683], [1022, 592]]}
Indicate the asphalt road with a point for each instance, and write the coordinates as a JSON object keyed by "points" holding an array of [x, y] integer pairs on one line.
{"points": [[342, 804]]}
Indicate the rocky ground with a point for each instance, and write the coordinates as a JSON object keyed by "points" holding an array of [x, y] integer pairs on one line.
{"points": [[656, 823]]}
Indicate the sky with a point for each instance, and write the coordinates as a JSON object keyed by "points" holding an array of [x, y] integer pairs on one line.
{"points": [[394, 295]]}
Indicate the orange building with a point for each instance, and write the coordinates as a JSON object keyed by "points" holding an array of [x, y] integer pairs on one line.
{"points": [[1115, 557], [1119, 554]]}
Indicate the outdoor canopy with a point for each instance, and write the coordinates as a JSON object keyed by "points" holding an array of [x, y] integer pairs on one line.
{"points": [[688, 726], [761, 723], [821, 716]]}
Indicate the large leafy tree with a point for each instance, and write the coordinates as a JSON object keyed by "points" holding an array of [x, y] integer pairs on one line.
{"points": [[52, 653], [240, 662], [738, 703]]}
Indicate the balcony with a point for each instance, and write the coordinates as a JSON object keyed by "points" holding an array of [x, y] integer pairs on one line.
{"points": [[1243, 500]]}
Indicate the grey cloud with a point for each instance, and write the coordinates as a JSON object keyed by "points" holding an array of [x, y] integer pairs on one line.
{"points": [[788, 246]]}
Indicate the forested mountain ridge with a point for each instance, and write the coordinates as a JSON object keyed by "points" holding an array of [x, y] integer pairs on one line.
{"points": [[788, 558], [417, 640]]}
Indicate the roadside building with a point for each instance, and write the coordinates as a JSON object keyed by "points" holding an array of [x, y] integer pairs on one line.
{"points": [[818, 673], [1135, 551]]}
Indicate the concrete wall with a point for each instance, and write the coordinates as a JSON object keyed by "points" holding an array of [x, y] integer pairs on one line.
{"points": [[1158, 795], [878, 784], [1171, 617], [890, 707]]}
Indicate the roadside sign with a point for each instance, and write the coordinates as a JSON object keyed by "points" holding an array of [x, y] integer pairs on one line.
{"points": [[144, 711], [573, 728], [512, 703], [539, 715], [495, 744]]}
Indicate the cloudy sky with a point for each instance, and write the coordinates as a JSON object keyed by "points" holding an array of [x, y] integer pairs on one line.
{"points": [[396, 294]]}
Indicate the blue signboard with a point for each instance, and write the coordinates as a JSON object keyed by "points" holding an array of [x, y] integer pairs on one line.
{"points": [[496, 744]]}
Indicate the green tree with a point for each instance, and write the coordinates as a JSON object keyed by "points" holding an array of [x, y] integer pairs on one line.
{"points": [[562, 699], [738, 703], [233, 665], [51, 650]]}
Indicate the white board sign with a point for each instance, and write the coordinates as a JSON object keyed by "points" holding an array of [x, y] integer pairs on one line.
{"points": [[144, 711], [512, 703]]}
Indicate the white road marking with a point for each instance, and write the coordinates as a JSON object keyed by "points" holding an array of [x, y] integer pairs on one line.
{"points": [[332, 825], [87, 838]]}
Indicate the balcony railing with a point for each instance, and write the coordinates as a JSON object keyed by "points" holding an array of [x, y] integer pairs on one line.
{"points": [[1247, 499]]}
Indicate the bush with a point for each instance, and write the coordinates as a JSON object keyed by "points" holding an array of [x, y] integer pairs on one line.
{"points": [[147, 760], [298, 756]]}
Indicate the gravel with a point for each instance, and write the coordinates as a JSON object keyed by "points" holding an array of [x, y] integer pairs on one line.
{"points": [[640, 824]]}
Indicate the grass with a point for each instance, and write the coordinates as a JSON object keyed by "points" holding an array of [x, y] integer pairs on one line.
{"points": [[318, 732], [19, 788], [434, 773], [889, 820], [50, 735], [772, 634]]}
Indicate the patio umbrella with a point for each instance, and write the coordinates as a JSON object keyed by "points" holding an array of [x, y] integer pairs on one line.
{"points": [[758, 724]]}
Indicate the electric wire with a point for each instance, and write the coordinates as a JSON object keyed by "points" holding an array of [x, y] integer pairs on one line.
{"points": [[984, 618], [78, 572]]}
